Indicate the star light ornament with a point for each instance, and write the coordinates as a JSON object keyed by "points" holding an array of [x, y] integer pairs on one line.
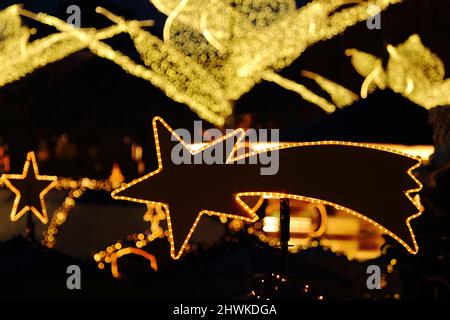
{"points": [[141, 190], [30, 189], [357, 173]]}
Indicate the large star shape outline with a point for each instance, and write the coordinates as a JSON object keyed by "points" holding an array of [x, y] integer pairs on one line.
{"points": [[43, 183], [238, 196], [252, 217]]}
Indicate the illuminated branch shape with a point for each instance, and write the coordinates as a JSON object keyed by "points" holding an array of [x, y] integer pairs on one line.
{"points": [[340, 95], [240, 43], [412, 70], [19, 57], [249, 50], [370, 182], [208, 104]]}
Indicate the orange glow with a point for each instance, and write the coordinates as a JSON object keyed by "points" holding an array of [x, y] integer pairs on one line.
{"points": [[126, 251], [269, 195], [42, 216]]}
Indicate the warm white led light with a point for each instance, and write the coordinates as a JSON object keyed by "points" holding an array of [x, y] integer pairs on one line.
{"points": [[264, 195], [15, 214]]}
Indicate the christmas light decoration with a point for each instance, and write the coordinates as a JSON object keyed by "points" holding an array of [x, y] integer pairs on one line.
{"points": [[155, 215], [240, 43], [19, 57], [206, 103], [340, 95], [214, 52], [29, 190], [412, 70], [135, 243], [76, 190], [139, 189], [118, 193], [275, 195]]}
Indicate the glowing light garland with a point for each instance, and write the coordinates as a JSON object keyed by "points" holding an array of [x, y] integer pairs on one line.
{"points": [[214, 52], [241, 43], [412, 70], [176, 255], [112, 253], [275, 195], [19, 57], [251, 213], [340, 95]]}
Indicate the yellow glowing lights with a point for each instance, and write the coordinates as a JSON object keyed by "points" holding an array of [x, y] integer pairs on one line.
{"points": [[251, 213], [166, 68], [415, 200], [412, 70], [122, 252], [19, 57], [241, 43], [176, 255], [44, 184], [340, 95], [76, 189], [213, 52]]}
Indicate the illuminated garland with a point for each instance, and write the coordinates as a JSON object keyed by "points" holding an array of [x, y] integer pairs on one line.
{"points": [[412, 70], [252, 217], [76, 189], [274, 195], [340, 95], [19, 57], [240, 43], [156, 214], [213, 52]]}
